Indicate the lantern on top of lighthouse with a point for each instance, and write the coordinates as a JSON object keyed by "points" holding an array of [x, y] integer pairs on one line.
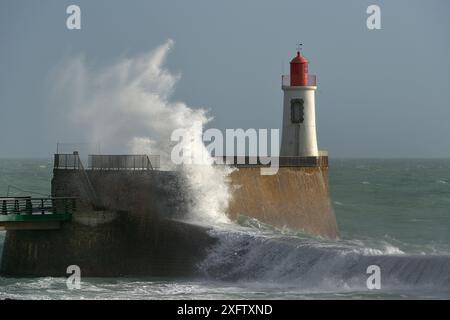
{"points": [[299, 116]]}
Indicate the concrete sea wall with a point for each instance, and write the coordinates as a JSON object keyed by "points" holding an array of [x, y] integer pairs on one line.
{"points": [[296, 198], [135, 230], [131, 236], [118, 248]]}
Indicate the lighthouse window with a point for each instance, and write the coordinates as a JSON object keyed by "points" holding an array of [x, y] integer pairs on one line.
{"points": [[297, 111]]}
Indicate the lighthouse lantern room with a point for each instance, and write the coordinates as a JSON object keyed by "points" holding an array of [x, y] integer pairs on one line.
{"points": [[299, 116]]}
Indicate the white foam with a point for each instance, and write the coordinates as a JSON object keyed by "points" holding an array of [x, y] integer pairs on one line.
{"points": [[127, 107]]}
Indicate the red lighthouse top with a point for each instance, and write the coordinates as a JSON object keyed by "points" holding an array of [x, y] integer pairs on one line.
{"points": [[299, 70]]}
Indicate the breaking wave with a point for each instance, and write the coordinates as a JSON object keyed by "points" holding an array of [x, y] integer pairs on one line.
{"points": [[128, 107], [318, 264]]}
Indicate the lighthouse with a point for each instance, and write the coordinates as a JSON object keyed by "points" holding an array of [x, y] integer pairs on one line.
{"points": [[299, 137]]}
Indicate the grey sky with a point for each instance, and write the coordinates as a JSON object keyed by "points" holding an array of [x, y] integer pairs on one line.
{"points": [[382, 93]]}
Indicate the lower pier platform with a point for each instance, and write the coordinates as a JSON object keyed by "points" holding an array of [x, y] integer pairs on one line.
{"points": [[26, 213]]}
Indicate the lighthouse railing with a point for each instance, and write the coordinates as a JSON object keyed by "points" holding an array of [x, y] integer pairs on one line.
{"points": [[286, 80]]}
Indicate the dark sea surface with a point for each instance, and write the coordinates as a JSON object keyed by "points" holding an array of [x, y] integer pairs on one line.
{"points": [[391, 213]]}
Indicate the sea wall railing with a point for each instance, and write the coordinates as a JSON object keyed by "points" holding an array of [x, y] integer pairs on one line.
{"points": [[152, 162], [124, 162], [246, 161], [108, 162], [67, 161]]}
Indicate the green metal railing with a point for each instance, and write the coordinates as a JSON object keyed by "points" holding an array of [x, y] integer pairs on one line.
{"points": [[36, 209]]}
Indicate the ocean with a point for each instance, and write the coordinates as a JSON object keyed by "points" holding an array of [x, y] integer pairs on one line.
{"points": [[394, 214]]}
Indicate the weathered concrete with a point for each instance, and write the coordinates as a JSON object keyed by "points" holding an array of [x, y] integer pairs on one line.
{"points": [[135, 233], [26, 225], [134, 238], [296, 197], [144, 194], [118, 248]]}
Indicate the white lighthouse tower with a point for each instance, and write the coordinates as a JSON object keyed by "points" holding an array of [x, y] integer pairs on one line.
{"points": [[299, 112]]}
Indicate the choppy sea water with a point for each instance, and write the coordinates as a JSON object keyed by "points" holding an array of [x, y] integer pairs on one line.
{"points": [[391, 213]]}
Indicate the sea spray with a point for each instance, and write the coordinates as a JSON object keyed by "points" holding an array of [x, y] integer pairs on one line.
{"points": [[313, 264], [127, 107]]}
